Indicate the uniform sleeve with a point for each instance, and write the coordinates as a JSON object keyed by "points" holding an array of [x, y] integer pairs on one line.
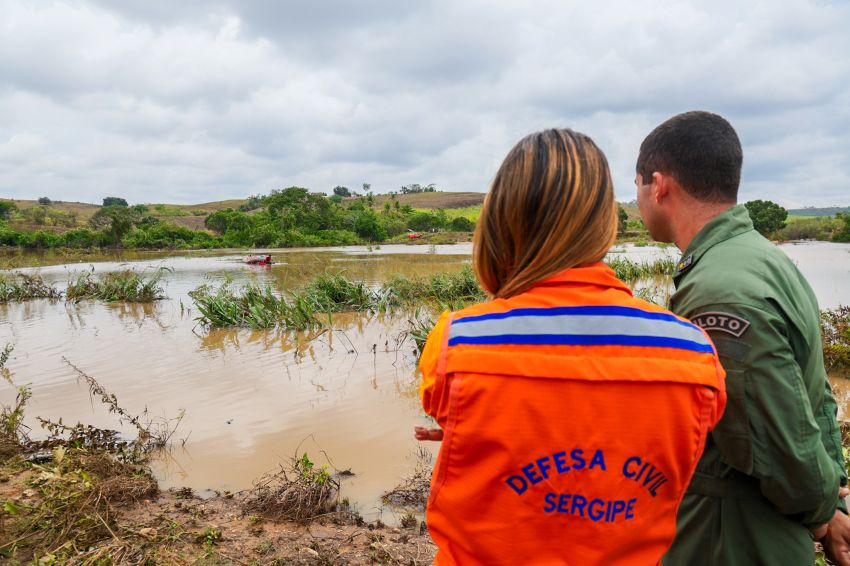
{"points": [[430, 387], [827, 421], [770, 430]]}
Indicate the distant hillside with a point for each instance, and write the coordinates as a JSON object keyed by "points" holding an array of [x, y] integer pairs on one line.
{"points": [[815, 211], [436, 199]]}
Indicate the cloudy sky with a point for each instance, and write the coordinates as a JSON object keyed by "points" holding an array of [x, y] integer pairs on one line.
{"points": [[194, 101]]}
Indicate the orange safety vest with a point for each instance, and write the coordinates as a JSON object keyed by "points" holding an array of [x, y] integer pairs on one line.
{"points": [[573, 417]]}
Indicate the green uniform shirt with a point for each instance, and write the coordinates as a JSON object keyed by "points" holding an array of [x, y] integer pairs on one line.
{"points": [[773, 465]]}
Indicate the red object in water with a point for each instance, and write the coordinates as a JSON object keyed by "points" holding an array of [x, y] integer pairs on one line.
{"points": [[258, 260]]}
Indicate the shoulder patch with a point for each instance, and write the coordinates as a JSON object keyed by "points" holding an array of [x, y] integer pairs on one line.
{"points": [[724, 322], [684, 264]]}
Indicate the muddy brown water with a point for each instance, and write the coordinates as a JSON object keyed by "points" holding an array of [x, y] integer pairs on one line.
{"points": [[252, 399]]}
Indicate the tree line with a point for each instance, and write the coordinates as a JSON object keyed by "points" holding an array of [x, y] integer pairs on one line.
{"points": [[284, 218]]}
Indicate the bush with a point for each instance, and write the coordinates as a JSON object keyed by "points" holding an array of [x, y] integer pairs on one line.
{"points": [[81, 238], [842, 235], [813, 228], [45, 201], [369, 226], [424, 221], [114, 201], [462, 224]]}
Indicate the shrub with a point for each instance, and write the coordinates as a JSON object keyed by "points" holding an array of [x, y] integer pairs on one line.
{"points": [[462, 224]]}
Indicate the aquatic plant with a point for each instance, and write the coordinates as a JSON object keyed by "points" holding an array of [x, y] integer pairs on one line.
{"points": [[128, 285], [631, 271], [19, 286]]}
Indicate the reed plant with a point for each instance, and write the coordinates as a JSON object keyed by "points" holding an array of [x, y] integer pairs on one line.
{"points": [[17, 286], [257, 306], [127, 285], [631, 271]]}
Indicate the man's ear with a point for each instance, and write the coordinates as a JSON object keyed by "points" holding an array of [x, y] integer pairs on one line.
{"points": [[661, 186]]}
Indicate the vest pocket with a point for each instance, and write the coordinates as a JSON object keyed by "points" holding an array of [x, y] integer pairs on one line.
{"points": [[732, 433]]}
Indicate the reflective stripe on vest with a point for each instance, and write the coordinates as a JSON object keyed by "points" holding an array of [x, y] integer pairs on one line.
{"points": [[580, 325]]}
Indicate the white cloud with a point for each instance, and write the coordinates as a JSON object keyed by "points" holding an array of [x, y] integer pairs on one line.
{"points": [[195, 101]]}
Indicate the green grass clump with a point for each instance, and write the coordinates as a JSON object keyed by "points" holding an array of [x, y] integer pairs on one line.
{"points": [[128, 285], [21, 287], [631, 271], [257, 306]]}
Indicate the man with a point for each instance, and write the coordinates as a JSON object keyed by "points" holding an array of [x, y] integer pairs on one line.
{"points": [[769, 479]]}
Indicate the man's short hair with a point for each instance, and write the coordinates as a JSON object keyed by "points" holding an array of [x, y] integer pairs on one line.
{"points": [[700, 150]]}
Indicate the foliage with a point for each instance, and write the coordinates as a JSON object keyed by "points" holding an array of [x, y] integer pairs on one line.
{"points": [[835, 332], [7, 207], [114, 201], [253, 202], [19, 286], [843, 234], [127, 285], [157, 234], [342, 191], [115, 219], [462, 224], [767, 216], [622, 219], [810, 228], [45, 201], [417, 188]]}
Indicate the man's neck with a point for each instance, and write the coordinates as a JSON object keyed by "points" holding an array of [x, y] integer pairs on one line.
{"points": [[694, 218]]}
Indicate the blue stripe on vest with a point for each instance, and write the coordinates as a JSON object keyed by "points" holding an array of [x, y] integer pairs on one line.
{"points": [[584, 340], [606, 310]]}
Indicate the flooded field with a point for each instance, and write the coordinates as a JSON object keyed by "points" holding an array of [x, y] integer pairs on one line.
{"points": [[253, 398]]}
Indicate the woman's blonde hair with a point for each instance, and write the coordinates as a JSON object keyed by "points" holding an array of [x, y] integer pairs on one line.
{"points": [[551, 207]]}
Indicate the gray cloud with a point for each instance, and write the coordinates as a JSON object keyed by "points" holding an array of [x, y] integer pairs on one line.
{"points": [[194, 101]]}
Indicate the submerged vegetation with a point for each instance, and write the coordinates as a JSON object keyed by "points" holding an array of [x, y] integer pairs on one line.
{"points": [[258, 306], [262, 307], [16, 286], [127, 285]]}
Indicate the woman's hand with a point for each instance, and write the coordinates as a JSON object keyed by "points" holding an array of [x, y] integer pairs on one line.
{"points": [[422, 433]]}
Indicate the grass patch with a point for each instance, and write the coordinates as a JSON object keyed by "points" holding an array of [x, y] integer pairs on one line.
{"points": [[128, 285], [18, 286], [262, 307]]}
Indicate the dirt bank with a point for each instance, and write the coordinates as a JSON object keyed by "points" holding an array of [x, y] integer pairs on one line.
{"points": [[177, 527]]}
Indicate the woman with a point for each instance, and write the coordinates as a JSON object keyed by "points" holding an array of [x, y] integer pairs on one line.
{"points": [[572, 414]]}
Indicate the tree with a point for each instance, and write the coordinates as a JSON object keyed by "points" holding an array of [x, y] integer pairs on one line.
{"points": [[462, 224], [843, 235], [117, 220], [767, 216], [369, 226], [296, 207], [622, 218], [114, 201], [44, 201], [342, 191], [7, 207]]}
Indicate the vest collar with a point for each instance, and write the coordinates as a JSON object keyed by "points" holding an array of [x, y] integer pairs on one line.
{"points": [[592, 274]]}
